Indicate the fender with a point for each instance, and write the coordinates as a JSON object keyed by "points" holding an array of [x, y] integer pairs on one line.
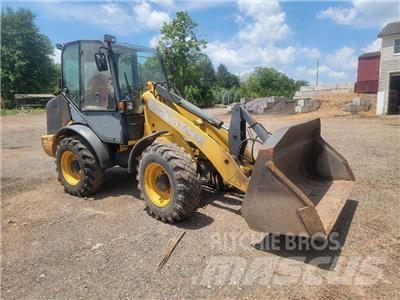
{"points": [[142, 144], [85, 132]]}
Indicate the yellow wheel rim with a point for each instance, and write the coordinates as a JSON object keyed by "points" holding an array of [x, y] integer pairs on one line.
{"points": [[157, 185], [70, 168]]}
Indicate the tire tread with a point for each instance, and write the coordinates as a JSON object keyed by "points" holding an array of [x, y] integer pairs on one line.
{"points": [[188, 187], [94, 173]]}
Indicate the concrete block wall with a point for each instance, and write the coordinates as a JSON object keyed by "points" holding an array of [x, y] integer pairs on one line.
{"points": [[357, 105], [324, 89], [306, 105]]}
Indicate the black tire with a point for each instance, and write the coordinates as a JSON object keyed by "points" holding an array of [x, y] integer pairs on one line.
{"points": [[91, 173], [183, 180]]}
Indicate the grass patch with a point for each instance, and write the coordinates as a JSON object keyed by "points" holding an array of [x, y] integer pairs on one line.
{"points": [[8, 112], [14, 111]]}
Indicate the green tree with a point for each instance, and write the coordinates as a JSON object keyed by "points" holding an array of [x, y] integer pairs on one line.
{"points": [[26, 66], [200, 89], [299, 83], [265, 82], [190, 71], [206, 69], [226, 79]]}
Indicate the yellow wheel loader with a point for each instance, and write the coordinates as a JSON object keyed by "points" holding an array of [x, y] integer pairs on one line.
{"points": [[116, 108]]}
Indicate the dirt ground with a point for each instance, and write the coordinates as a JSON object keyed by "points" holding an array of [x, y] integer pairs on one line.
{"points": [[58, 246]]}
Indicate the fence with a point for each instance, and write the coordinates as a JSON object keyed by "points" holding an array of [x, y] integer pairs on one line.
{"points": [[32, 100]]}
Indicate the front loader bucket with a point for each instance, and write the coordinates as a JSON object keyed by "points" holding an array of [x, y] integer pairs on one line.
{"points": [[299, 184]]}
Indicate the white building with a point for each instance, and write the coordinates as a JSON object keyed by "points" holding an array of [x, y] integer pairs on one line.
{"points": [[388, 97]]}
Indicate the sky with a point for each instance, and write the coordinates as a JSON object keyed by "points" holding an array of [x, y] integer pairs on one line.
{"points": [[287, 35]]}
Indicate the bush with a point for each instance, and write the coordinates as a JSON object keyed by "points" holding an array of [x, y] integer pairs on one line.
{"points": [[202, 97], [266, 82], [227, 96]]}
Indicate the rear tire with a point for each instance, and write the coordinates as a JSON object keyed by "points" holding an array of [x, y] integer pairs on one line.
{"points": [[78, 168], [168, 182]]}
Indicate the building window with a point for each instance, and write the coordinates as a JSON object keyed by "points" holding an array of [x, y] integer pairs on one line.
{"points": [[397, 46]]}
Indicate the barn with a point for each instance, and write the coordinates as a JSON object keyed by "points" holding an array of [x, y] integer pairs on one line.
{"points": [[368, 73]]}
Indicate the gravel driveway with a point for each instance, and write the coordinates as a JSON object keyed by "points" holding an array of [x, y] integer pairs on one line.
{"points": [[58, 246]]}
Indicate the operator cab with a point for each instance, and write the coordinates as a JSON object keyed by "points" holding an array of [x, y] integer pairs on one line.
{"points": [[103, 82]]}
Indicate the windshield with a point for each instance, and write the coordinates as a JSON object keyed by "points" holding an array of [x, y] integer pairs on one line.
{"points": [[135, 67]]}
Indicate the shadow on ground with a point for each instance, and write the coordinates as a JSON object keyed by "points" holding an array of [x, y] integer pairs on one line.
{"points": [[322, 254], [231, 201], [117, 182], [197, 221]]}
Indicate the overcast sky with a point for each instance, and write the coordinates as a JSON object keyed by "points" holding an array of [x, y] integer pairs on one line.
{"points": [[289, 36]]}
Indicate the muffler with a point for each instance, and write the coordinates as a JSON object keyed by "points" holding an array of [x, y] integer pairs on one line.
{"points": [[299, 184]]}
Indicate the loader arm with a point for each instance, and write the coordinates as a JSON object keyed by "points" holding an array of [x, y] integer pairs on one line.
{"points": [[186, 128]]}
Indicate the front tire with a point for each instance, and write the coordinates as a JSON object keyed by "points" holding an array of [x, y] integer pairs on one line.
{"points": [[78, 168], [168, 182]]}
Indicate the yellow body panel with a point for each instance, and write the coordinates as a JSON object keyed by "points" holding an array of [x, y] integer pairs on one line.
{"points": [[184, 128], [219, 135], [48, 144], [153, 123]]}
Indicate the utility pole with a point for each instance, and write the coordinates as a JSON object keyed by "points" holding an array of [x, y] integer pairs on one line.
{"points": [[316, 83]]}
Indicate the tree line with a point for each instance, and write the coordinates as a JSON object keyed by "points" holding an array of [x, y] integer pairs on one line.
{"points": [[193, 76], [27, 67]]}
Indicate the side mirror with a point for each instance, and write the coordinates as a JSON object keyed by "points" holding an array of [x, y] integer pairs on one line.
{"points": [[59, 46], [110, 39], [101, 61]]}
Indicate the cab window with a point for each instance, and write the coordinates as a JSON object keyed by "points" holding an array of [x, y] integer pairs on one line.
{"points": [[130, 86], [97, 90], [70, 72], [125, 72], [149, 67]]}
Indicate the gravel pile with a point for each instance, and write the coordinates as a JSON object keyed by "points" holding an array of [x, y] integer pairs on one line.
{"points": [[271, 105]]}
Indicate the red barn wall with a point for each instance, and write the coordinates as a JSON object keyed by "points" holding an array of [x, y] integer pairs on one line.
{"points": [[368, 74]]}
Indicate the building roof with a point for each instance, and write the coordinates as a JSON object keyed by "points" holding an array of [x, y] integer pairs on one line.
{"points": [[390, 29], [370, 54]]}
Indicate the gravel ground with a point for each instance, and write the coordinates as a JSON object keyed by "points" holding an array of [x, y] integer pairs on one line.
{"points": [[58, 246]]}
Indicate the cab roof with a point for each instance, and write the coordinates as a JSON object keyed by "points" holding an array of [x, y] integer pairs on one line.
{"points": [[120, 45]]}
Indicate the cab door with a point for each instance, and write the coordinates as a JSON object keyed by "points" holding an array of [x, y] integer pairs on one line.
{"points": [[90, 91], [98, 98]]}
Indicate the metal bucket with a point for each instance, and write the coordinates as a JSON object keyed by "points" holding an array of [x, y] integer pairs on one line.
{"points": [[299, 184]]}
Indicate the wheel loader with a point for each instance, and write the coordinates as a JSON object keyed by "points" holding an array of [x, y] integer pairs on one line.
{"points": [[116, 108]]}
